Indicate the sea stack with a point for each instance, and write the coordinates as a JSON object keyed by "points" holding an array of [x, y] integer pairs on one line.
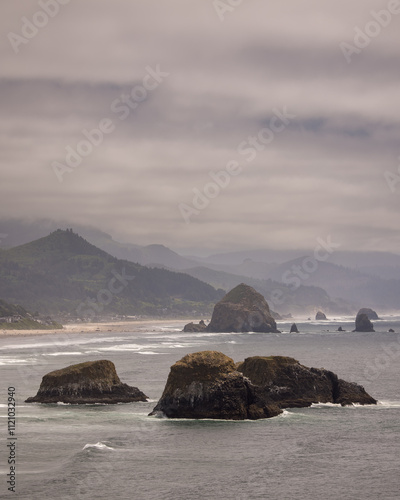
{"points": [[209, 384], [86, 383], [294, 329], [193, 327], [372, 315], [320, 316], [363, 324], [242, 310]]}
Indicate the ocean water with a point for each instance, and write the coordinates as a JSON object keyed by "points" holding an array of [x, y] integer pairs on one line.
{"points": [[118, 452]]}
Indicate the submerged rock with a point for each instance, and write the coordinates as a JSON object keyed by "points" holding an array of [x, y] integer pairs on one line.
{"points": [[85, 383], [369, 312], [320, 316], [208, 384], [193, 327], [242, 310], [363, 324], [294, 329]]}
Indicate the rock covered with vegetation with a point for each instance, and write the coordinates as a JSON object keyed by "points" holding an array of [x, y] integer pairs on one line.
{"points": [[290, 384], [86, 383], [242, 310], [209, 384]]}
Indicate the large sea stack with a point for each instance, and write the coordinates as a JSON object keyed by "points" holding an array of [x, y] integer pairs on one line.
{"points": [[86, 383], [372, 315], [208, 384], [242, 310], [363, 324]]}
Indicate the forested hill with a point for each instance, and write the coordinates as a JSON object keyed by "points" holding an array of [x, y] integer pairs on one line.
{"points": [[57, 274]]}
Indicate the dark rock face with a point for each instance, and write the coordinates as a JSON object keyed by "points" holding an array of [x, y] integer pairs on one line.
{"points": [[369, 312], [208, 384], [320, 316], [192, 327], [294, 329], [86, 383], [242, 310], [290, 384], [363, 324]]}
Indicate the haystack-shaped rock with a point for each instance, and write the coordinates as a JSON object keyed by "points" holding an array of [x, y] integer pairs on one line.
{"points": [[207, 385], [242, 310], [363, 324], [320, 316], [86, 383], [369, 312]]}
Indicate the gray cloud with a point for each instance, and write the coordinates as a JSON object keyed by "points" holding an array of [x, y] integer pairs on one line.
{"points": [[323, 174]]}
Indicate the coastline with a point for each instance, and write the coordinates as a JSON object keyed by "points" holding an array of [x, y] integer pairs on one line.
{"points": [[83, 328]]}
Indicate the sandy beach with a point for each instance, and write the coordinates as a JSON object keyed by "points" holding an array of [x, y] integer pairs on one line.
{"points": [[82, 328]]}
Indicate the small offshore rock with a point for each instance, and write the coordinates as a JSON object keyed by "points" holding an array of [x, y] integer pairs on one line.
{"points": [[86, 383], [193, 327]]}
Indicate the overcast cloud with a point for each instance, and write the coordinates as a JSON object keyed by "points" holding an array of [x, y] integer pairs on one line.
{"points": [[221, 82]]}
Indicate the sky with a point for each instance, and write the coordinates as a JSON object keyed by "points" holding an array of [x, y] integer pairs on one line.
{"points": [[204, 124]]}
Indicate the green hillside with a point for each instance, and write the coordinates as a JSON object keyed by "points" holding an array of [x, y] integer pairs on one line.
{"points": [[15, 317], [61, 273]]}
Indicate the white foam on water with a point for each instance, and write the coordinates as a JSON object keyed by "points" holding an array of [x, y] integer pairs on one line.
{"points": [[16, 361], [326, 405], [151, 353], [75, 340], [388, 404], [63, 354], [97, 446]]}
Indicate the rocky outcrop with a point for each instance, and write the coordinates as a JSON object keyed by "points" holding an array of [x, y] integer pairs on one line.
{"points": [[363, 324], [294, 329], [289, 384], [242, 310], [86, 383], [193, 327], [320, 316], [208, 384], [369, 312]]}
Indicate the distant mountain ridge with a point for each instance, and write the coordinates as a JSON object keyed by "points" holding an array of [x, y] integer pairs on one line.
{"points": [[63, 273], [351, 279]]}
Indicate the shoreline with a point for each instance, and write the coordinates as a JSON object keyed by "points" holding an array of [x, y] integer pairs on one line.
{"points": [[83, 328]]}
